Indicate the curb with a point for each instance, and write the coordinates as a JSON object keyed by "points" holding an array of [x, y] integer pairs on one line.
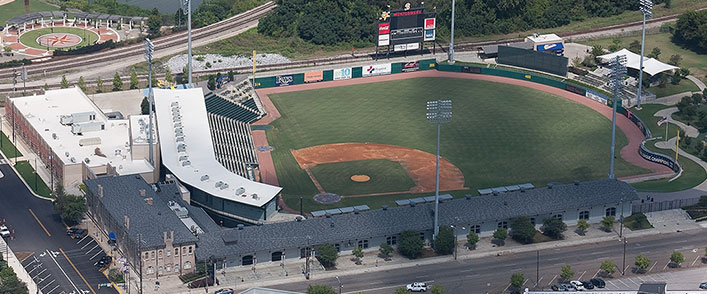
{"points": [[23, 180]]}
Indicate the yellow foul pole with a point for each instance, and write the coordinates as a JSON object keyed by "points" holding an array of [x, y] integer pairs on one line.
{"points": [[677, 143]]}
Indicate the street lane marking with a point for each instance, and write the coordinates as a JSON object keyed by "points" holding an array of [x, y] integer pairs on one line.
{"points": [[582, 275], [551, 280], [652, 266], [40, 223], [62, 271], [696, 258], [77, 271]]}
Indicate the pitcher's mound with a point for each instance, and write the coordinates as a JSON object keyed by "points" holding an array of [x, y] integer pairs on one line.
{"points": [[360, 178]]}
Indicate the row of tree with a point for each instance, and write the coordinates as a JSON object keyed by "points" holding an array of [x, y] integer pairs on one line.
{"points": [[117, 81], [691, 31], [9, 283]]}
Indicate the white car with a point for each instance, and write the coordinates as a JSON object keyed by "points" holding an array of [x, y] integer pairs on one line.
{"points": [[4, 232], [578, 285], [417, 287]]}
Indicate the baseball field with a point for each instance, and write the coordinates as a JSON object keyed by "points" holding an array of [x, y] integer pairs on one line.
{"points": [[500, 135]]}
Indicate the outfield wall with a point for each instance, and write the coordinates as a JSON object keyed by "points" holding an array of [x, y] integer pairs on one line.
{"points": [[376, 69]]}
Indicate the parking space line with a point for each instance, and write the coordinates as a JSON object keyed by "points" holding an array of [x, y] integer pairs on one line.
{"points": [[52, 290], [39, 274], [62, 270], [77, 271], [84, 246], [582, 275], [36, 266], [45, 278], [553, 278], [666, 265], [94, 256], [84, 238], [622, 282], [94, 247], [526, 280], [47, 285], [696, 258], [31, 254], [652, 266], [540, 280], [627, 267], [40, 223], [612, 283], [595, 274]]}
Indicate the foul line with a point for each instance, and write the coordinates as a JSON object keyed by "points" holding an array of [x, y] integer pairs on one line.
{"points": [[77, 271], [40, 223]]}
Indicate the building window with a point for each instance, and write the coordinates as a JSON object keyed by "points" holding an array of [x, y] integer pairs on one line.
{"points": [[338, 247], [147, 255], [584, 214], [475, 228], [247, 260], [176, 251], [611, 211], [169, 253], [152, 254], [558, 216], [363, 244], [150, 270], [189, 249], [392, 240], [176, 268], [503, 224], [277, 255], [187, 265], [532, 220], [169, 268], [159, 270], [303, 252], [159, 253], [422, 236]]}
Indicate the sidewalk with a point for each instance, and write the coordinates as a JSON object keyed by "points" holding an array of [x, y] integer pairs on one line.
{"points": [[16, 265], [690, 131]]}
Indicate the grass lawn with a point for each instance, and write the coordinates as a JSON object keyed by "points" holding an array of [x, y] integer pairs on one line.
{"points": [[693, 174], [386, 176], [637, 221], [696, 63], [539, 238], [500, 135], [684, 86], [30, 38], [647, 116], [17, 8], [27, 173], [7, 148]]}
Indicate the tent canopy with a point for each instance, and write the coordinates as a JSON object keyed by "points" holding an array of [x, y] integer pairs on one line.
{"points": [[651, 66]]}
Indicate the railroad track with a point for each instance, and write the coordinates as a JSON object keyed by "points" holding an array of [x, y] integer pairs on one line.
{"points": [[168, 41]]}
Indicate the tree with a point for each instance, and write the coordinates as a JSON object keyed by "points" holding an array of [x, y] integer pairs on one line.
{"points": [[327, 255], [635, 47], [46, 86], [517, 280], [154, 22], [654, 53], [690, 30], [82, 84], [179, 17], [676, 78], [608, 267], [663, 81], [358, 253], [437, 289], [70, 207], [500, 236], [64, 82], [211, 84], [231, 76], [696, 98], [117, 82], [615, 45], [597, 51], [566, 272], [12, 285], [410, 244], [99, 85], [168, 75], [134, 82], [582, 226], [522, 230], [320, 289], [642, 263], [471, 239], [401, 290], [607, 223], [385, 250], [668, 3], [677, 258], [444, 242], [553, 227], [675, 59]]}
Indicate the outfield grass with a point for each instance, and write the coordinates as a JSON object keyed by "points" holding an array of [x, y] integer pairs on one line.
{"points": [[696, 63], [27, 173], [30, 38], [500, 135], [17, 8], [7, 148], [386, 176]]}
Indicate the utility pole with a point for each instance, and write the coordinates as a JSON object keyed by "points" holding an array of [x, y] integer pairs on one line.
{"points": [[537, 268], [618, 70], [623, 269], [139, 253]]}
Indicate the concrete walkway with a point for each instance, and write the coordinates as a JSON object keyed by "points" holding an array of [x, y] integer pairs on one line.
{"points": [[669, 100], [694, 192], [697, 82], [690, 131], [16, 265]]}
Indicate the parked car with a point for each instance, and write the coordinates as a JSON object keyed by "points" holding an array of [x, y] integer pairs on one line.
{"points": [[76, 233], [104, 262], [567, 287], [417, 287], [555, 287], [577, 285], [703, 286], [599, 283], [224, 291], [588, 285], [4, 232]]}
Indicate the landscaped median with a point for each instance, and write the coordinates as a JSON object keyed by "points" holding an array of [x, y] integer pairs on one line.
{"points": [[7, 148], [34, 181]]}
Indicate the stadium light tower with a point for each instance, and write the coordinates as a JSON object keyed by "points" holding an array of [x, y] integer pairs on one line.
{"points": [[149, 50], [451, 43], [618, 71], [438, 112], [646, 7], [187, 3]]}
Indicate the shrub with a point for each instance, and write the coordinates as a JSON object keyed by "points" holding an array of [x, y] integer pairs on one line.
{"points": [[410, 244], [522, 230], [327, 255], [444, 241]]}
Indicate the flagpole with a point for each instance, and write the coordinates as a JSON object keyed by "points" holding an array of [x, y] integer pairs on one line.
{"points": [[677, 143], [666, 130]]}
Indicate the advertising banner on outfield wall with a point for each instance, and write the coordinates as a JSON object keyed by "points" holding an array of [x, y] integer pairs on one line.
{"points": [[411, 66], [384, 40], [284, 80], [313, 76], [596, 97], [342, 74], [376, 70]]}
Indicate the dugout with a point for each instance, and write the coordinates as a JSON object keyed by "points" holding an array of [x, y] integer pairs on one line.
{"points": [[536, 60]]}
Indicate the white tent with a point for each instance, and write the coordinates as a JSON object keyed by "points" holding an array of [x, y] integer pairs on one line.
{"points": [[651, 66]]}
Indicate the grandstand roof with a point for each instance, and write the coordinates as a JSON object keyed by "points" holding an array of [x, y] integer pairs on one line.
{"points": [[651, 66], [181, 115]]}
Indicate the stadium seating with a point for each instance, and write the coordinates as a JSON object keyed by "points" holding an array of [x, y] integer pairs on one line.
{"points": [[233, 144], [230, 109]]}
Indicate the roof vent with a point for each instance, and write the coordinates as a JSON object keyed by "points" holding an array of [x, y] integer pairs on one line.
{"points": [[412, 204], [468, 197], [224, 186], [328, 215], [357, 211], [218, 184], [204, 178], [522, 190], [384, 207], [240, 226], [255, 196], [331, 225], [298, 218], [576, 182], [505, 203], [240, 190], [495, 193], [549, 185]]}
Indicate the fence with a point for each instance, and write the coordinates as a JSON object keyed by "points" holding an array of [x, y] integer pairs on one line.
{"points": [[664, 205]]}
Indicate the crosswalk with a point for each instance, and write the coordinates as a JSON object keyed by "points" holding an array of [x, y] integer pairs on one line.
{"points": [[4, 161]]}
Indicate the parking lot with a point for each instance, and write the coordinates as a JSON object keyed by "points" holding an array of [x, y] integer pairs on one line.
{"points": [[677, 280]]}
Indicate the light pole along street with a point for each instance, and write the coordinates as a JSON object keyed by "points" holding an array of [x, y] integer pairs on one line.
{"points": [[438, 112]]}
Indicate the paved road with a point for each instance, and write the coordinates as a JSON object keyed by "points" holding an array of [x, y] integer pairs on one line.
{"points": [[493, 274], [57, 264]]}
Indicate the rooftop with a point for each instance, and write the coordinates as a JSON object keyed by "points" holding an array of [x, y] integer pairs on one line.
{"points": [[544, 38], [188, 151], [86, 134]]}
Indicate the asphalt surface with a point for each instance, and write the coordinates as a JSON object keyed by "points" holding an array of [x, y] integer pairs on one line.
{"points": [[492, 274], [58, 264]]}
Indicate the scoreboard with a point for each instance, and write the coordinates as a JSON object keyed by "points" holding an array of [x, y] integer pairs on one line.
{"points": [[406, 29]]}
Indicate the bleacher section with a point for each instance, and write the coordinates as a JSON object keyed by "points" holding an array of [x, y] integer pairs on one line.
{"points": [[602, 82], [233, 144], [231, 109]]}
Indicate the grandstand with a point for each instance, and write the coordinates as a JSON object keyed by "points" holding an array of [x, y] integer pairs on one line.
{"points": [[600, 80], [237, 102], [233, 145]]}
